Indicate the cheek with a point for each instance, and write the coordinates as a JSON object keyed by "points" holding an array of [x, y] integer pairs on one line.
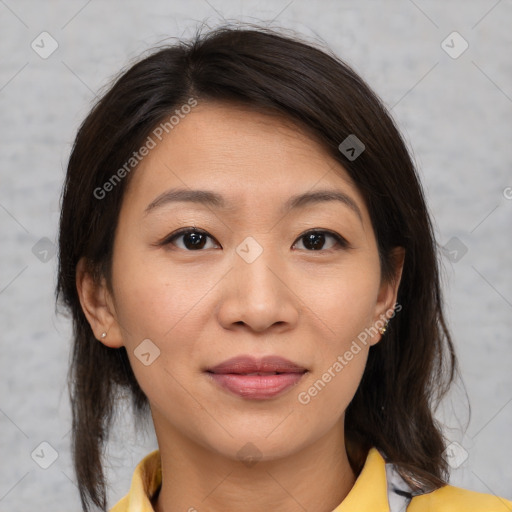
{"points": [[328, 392], [155, 298], [344, 306], [162, 304], [154, 302], [344, 300]]}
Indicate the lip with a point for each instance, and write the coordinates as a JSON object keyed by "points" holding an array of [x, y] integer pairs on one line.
{"points": [[235, 376], [249, 364]]}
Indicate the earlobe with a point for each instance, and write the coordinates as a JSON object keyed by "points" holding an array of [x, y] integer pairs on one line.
{"points": [[94, 299]]}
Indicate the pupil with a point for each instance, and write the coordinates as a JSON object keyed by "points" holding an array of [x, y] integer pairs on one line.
{"points": [[195, 239], [316, 239]]}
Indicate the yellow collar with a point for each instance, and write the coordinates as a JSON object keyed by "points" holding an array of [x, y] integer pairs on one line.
{"points": [[370, 489], [368, 493]]}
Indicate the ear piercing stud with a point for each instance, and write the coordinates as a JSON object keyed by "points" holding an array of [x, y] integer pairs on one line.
{"points": [[382, 330], [103, 334]]}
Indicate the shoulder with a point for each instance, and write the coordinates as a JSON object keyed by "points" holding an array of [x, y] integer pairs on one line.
{"points": [[455, 499]]}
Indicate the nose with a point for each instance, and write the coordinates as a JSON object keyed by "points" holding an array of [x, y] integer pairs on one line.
{"points": [[259, 295]]}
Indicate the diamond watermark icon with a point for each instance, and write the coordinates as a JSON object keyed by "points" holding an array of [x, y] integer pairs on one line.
{"points": [[249, 454], [455, 249], [44, 249], [352, 147], [454, 45], [455, 455], [44, 455], [249, 250], [44, 45], [147, 352]]}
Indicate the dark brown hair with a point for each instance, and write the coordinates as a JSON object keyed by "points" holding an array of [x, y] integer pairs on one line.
{"points": [[407, 373]]}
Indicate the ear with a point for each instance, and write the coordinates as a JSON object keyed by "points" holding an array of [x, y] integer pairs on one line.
{"points": [[388, 293], [98, 306]]}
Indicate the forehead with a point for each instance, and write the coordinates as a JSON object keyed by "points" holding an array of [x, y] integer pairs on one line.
{"points": [[244, 154]]}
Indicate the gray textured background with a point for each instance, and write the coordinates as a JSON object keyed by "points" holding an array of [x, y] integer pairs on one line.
{"points": [[454, 112]]}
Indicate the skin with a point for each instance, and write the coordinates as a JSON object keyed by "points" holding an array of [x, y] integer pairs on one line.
{"points": [[203, 306]]}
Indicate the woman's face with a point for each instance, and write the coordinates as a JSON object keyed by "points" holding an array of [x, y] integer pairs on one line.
{"points": [[251, 280]]}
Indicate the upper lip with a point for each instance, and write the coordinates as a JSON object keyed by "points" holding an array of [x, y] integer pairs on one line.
{"points": [[249, 364]]}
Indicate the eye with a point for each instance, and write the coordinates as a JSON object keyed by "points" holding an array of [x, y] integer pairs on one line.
{"points": [[193, 239], [315, 240]]}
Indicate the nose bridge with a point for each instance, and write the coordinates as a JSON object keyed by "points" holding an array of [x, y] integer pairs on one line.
{"points": [[257, 293], [256, 265]]}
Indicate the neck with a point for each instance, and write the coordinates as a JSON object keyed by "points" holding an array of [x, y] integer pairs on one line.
{"points": [[317, 478]]}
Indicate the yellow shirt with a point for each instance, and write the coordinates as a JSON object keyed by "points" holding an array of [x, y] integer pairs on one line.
{"points": [[369, 493]]}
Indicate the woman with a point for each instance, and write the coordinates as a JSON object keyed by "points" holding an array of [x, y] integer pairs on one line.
{"points": [[245, 249]]}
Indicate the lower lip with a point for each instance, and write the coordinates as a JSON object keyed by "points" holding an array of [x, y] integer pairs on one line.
{"points": [[256, 387]]}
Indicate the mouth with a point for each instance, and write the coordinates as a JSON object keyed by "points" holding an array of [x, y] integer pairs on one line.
{"points": [[261, 373], [249, 365], [256, 379]]}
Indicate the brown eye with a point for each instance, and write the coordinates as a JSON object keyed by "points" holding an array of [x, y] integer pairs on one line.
{"points": [[316, 240], [193, 239]]}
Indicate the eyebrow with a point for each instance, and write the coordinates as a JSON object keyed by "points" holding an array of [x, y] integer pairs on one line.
{"points": [[217, 201]]}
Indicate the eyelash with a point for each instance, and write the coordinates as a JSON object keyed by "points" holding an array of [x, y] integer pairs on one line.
{"points": [[340, 241]]}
